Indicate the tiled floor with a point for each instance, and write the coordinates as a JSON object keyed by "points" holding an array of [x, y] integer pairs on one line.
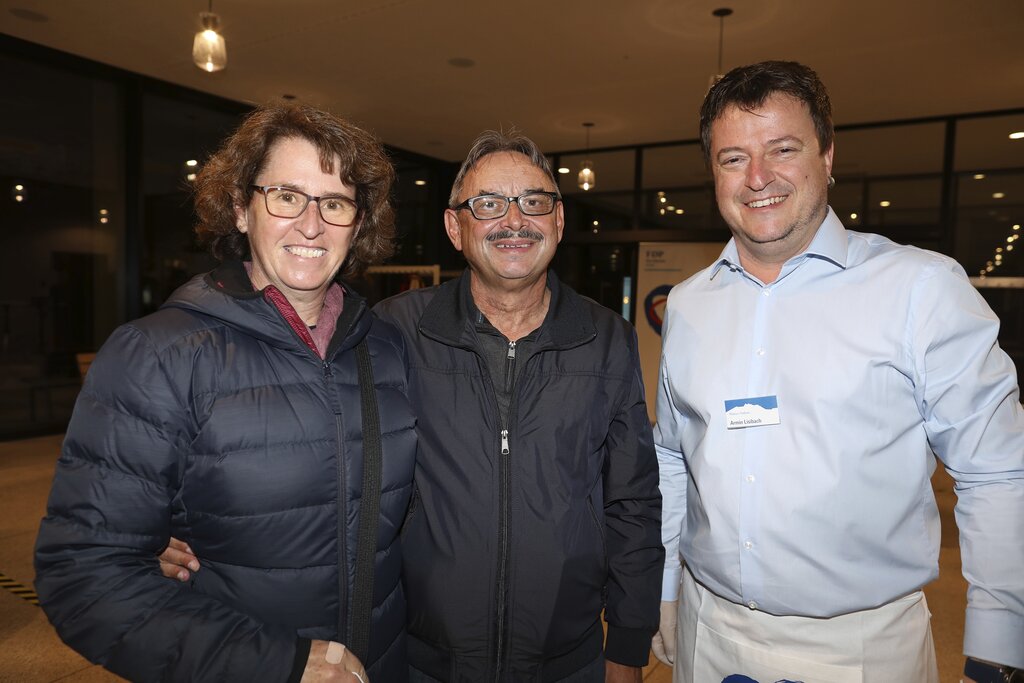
{"points": [[30, 651]]}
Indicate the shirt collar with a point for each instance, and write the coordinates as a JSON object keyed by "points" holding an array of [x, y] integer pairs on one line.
{"points": [[829, 243]]}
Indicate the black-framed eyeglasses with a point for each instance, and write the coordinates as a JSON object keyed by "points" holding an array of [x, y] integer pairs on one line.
{"points": [[287, 202], [486, 207]]}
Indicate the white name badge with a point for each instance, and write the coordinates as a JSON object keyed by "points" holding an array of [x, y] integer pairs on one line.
{"points": [[752, 412]]}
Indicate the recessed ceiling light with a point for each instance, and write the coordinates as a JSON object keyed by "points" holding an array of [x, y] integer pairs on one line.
{"points": [[191, 163], [979, 176], [563, 170], [853, 216], [884, 203], [419, 182], [1017, 226], [1017, 135], [670, 207], [998, 195], [461, 62], [680, 211], [1009, 247]]}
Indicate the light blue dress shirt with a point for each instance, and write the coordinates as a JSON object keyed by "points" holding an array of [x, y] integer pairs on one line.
{"points": [[879, 355]]}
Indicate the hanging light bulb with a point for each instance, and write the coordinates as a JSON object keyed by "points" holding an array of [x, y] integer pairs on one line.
{"points": [[209, 51], [721, 13], [587, 178]]}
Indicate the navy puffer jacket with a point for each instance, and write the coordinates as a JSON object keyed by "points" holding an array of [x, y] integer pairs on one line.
{"points": [[212, 421]]}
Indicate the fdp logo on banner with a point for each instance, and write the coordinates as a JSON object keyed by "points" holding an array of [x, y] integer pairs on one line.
{"points": [[654, 307]]}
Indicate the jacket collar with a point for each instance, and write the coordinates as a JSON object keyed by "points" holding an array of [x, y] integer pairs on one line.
{"points": [[449, 316], [227, 294]]}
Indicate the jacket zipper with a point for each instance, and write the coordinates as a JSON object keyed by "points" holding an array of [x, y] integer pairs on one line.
{"points": [[328, 373], [510, 376]]}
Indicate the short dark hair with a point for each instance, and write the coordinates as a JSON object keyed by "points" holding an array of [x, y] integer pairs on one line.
{"points": [[492, 142], [747, 87], [226, 180]]}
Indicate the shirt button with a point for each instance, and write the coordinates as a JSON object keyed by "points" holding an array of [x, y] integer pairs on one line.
{"points": [[748, 545], [752, 605], [767, 292], [760, 352], [750, 478]]}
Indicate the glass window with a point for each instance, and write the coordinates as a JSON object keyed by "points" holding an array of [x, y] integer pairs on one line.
{"points": [[678, 191], [178, 138], [61, 236]]}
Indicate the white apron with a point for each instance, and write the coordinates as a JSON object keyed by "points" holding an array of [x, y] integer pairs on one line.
{"points": [[719, 641]]}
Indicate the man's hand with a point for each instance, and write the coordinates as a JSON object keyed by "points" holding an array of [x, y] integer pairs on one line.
{"points": [[330, 661], [177, 560], [663, 645], [620, 673]]}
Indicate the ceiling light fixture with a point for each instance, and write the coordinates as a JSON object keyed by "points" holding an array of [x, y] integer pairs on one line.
{"points": [[721, 13], [1017, 135], [563, 170], [587, 178], [209, 51]]}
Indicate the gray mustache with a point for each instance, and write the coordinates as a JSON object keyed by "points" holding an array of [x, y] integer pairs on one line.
{"points": [[525, 234]]}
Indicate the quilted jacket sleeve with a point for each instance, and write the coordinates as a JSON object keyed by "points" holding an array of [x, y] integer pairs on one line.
{"points": [[108, 517]]}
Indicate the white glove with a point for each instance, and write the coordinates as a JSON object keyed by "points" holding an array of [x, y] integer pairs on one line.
{"points": [[664, 642]]}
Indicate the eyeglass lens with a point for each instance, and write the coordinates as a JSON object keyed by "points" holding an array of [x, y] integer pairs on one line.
{"points": [[494, 206], [287, 203]]}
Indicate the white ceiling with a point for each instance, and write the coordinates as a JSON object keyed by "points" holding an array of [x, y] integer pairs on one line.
{"points": [[637, 68]]}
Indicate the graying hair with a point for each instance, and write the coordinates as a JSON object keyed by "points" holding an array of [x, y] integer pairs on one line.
{"points": [[493, 141]]}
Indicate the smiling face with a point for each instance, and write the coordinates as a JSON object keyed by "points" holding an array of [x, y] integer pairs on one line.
{"points": [[515, 250], [771, 180], [300, 256]]}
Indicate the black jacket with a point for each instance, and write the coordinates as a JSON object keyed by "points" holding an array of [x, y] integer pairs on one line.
{"points": [[212, 421], [516, 542]]}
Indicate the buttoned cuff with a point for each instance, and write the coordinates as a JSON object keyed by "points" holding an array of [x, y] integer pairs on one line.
{"points": [[627, 646], [994, 636], [670, 583]]}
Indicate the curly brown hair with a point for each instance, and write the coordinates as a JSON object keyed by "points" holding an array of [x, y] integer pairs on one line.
{"points": [[226, 180]]}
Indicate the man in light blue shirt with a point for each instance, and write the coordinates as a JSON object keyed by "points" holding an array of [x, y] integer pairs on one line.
{"points": [[808, 379]]}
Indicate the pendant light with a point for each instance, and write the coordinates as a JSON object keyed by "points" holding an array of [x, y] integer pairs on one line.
{"points": [[209, 51], [721, 13], [587, 178]]}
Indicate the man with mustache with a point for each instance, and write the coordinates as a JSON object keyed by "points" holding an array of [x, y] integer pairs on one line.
{"points": [[536, 504], [809, 379]]}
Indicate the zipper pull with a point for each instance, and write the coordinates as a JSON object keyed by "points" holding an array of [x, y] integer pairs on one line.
{"points": [[511, 351], [504, 442], [327, 369]]}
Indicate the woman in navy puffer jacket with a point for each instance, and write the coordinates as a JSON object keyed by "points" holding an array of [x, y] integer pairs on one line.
{"points": [[261, 416]]}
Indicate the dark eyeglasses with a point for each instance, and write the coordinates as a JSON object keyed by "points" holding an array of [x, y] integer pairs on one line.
{"points": [[287, 202], [486, 207]]}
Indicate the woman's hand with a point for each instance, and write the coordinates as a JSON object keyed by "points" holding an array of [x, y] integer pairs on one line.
{"points": [[177, 559], [331, 661]]}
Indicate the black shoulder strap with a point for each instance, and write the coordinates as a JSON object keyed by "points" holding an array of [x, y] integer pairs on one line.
{"points": [[369, 509]]}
